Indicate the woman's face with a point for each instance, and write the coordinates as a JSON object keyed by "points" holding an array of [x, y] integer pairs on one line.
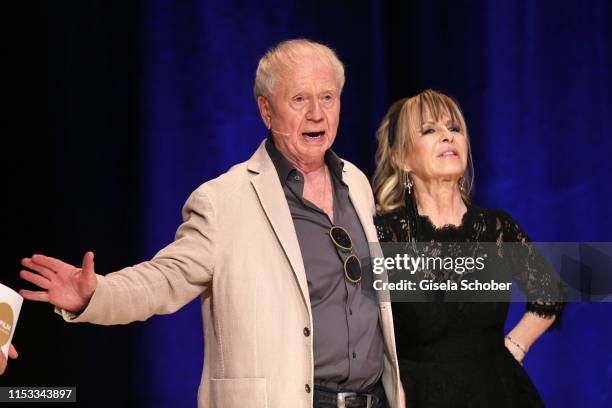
{"points": [[439, 151]]}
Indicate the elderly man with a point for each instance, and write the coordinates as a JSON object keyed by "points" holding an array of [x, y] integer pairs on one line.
{"points": [[273, 248]]}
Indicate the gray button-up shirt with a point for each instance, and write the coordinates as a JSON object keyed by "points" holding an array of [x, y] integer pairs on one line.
{"points": [[347, 339]]}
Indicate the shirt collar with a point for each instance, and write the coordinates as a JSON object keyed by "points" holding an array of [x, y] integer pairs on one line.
{"points": [[284, 168]]}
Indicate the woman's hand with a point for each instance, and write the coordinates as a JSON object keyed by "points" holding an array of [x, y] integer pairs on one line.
{"points": [[66, 286], [515, 350], [525, 333]]}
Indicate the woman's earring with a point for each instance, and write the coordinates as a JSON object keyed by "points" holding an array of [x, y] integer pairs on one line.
{"points": [[462, 184], [407, 182]]}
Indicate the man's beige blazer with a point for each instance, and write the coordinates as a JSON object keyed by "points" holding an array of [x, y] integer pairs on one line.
{"points": [[238, 251]]}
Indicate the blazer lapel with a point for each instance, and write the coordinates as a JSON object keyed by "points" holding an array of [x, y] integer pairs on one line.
{"points": [[273, 201], [362, 207]]}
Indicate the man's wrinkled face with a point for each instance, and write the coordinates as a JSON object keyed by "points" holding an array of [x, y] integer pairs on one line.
{"points": [[303, 111]]}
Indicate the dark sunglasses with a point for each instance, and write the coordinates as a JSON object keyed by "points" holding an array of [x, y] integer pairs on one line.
{"points": [[352, 265]]}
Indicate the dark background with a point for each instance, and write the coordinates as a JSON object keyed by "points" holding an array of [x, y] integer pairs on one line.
{"points": [[118, 110]]}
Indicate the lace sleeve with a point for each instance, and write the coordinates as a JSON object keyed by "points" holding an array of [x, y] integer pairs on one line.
{"points": [[546, 295]]}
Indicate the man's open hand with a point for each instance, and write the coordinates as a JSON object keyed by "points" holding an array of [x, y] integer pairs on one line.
{"points": [[65, 286]]}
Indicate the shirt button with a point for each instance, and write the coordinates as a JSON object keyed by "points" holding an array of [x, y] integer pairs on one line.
{"points": [[354, 355], [296, 178], [307, 388], [351, 312], [306, 331]]}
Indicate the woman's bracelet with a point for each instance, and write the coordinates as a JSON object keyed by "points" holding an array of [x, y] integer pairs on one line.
{"points": [[517, 344]]}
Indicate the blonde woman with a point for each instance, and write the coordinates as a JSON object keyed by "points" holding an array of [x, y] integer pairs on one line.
{"points": [[454, 354]]}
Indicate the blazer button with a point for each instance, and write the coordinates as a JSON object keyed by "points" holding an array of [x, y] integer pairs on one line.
{"points": [[307, 388], [306, 331]]}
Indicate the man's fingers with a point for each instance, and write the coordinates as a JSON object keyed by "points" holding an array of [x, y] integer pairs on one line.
{"points": [[36, 279], [51, 263], [37, 296], [88, 262], [13, 351], [44, 271]]}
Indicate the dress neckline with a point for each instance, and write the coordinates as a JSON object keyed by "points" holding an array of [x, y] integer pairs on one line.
{"points": [[462, 224], [448, 232]]}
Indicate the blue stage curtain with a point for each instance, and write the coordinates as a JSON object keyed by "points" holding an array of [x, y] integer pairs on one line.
{"points": [[532, 78], [159, 93]]}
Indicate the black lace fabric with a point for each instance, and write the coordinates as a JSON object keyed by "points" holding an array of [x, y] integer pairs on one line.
{"points": [[452, 354], [544, 291]]}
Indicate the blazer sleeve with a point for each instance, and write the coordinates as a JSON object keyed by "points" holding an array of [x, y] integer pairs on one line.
{"points": [[175, 276]]}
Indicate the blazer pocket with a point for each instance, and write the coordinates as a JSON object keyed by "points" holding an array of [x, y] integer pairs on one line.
{"points": [[239, 392]]}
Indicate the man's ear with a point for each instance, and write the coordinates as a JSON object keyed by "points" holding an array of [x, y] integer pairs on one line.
{"points": [[264, 111]]}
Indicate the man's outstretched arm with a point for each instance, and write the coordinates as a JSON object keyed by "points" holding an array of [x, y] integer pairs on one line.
{"points": [[176, 275]]}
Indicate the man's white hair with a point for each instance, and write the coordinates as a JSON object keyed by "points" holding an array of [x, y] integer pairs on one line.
{"points": [[286, 53]]}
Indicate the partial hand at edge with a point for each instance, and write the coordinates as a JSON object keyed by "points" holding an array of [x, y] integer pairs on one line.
{"points": [[3, 362]]}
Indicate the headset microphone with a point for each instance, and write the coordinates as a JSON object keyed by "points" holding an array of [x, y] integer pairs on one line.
{"points": [[280, 133]]}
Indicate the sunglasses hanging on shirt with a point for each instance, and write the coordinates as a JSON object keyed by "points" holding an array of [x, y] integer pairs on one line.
{"points": [[352, 265]]}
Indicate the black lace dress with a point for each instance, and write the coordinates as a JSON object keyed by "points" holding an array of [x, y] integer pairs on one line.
{"points": [[453, 354]]}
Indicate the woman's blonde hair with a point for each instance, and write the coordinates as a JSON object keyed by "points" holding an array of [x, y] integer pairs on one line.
{"points": [[400, 125]]}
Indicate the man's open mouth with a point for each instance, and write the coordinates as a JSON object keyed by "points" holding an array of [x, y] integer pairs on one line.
{"points": [[313, 135]]}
